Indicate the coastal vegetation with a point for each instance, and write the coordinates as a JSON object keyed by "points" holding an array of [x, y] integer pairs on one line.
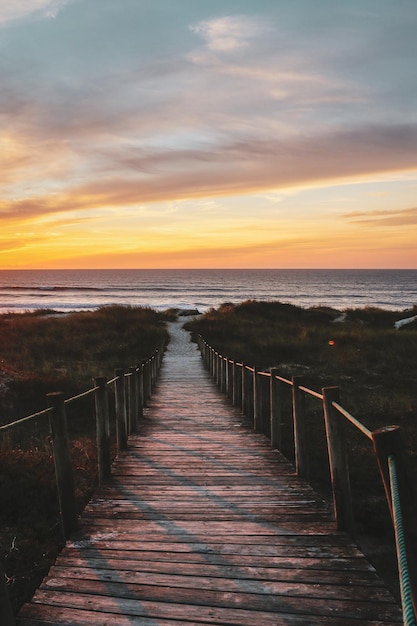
{"points": [[359, 350], [42, 352], [362, 352]]}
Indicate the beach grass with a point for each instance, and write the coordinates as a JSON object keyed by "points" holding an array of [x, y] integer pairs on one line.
{"points": [[358, 350]]}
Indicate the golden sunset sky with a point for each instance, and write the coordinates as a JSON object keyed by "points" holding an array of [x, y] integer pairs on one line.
{"points": [[208, 133]]}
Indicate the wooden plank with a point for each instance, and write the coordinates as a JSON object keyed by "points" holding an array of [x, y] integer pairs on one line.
{"points": [[39, 615], [248, 585], [252, 549], [83, 589], [330, 576], [205, 614], [204, 555], [295, 527]]}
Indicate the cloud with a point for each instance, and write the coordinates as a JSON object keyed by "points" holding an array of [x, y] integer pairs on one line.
{"points": [[203, 122], [404, 217], [125, 176], [230, 32], [247, 164], [11, 10]]}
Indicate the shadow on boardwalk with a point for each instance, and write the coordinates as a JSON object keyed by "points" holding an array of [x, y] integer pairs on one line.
{"points": [[202, 523]]}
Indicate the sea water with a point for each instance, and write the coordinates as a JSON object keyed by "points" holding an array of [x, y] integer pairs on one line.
{"points": [[78, 290]]}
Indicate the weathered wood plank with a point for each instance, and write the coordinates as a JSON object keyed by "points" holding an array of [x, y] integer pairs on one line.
{"points": [[206, 614], [294, 527], [267, 587], [204, 555], [83, 589], [39, 615], [242, 549], [330, 576], [91, 535]]}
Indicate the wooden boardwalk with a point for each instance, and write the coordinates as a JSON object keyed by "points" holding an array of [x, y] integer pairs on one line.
{"points": [[201, 523]]}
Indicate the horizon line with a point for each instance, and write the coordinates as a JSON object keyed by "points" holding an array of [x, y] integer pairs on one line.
{"points": [[208, 269]]}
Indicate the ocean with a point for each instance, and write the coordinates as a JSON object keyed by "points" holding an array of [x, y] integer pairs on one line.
{"points": [[80, 290]]}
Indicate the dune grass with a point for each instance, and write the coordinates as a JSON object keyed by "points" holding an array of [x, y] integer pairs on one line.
{"points": [[43, 352], [358, 350]]}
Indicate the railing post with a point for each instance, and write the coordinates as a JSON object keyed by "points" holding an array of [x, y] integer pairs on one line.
{"points": [[131, 385], [338, 460], [102, 428], [223, 375], [62, 461], [251, 387], [149, 362], [237, 382], [139, 391], [265, 405], [206, 352], [203, 349], [6, 609], [153, 378], [151, 374], [154, 368], [230, 378], [146, 382], [221, 372], [217, 368], [300, 428], [121, 426], [148, 366], [245, 390], [275, 410], [389, 441], [257, 401]]}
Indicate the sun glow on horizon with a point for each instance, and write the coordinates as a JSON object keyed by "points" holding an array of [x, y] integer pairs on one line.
{"points": [[277, 228]]}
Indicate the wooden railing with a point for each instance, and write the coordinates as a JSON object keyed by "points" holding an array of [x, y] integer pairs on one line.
{"points": [[260, 397], [132, 390]]}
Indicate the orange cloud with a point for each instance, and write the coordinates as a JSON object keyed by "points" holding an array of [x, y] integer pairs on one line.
{"points": [[403, 217], [237, 168]]}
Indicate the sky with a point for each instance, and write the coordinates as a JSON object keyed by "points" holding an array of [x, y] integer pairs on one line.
{"points": [[208, 133]]}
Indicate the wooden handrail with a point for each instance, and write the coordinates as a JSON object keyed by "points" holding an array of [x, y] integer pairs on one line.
{"points": [[58, 426], [248, 397], [132, 396]]}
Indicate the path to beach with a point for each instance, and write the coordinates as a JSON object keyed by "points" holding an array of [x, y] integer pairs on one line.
{"points": [[202, 523]]}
